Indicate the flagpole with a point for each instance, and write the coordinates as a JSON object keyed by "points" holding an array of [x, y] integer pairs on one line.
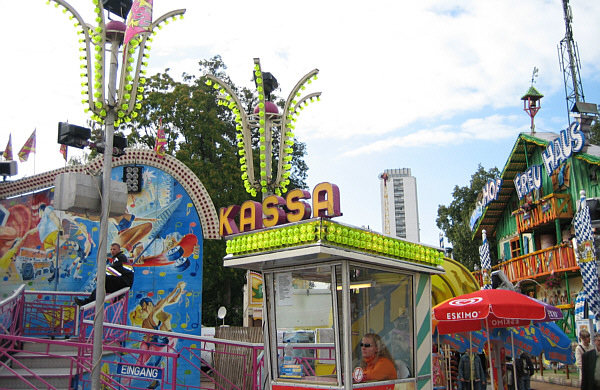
{"points": [[514, 356], [34, 148]]}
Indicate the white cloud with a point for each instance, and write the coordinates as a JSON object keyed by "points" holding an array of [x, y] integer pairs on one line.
{"points": [[394, 74], [490, 128]]}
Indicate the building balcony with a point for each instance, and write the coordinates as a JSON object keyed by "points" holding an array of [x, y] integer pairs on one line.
{"points": [[542, 263], [543, 212]]}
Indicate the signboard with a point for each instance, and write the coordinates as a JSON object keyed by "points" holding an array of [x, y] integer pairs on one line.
{"points": [[290, 371], [254, 215], [559, 150], [529, 180], [142, 372]]}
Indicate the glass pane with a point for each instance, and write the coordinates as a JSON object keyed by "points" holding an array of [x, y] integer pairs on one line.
{"points": [[304, 322], [382, 323]]}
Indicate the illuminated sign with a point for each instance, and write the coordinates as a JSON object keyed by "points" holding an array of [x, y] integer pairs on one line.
{"points": [[491, 191], [529, 180], [559, 150], [254, 215]]}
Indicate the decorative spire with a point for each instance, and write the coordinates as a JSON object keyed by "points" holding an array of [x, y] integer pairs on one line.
{"points": [[267, 119], [531, 99]]}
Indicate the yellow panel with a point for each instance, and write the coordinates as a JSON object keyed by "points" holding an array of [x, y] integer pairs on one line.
{"points": [[376, 317], [458, 280], [397, 299]]}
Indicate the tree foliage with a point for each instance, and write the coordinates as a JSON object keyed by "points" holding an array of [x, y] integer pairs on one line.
{"points": [[201, 134], [454, 219]]}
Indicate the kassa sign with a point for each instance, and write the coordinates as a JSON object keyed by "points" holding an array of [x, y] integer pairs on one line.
{"points": [[254, 215]]}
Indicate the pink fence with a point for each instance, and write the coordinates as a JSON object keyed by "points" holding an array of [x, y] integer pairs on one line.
{"points": [[49, 320]]}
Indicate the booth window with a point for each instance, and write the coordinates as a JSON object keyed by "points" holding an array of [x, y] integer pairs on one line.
{"points": [[304, 316], [382, 314]]}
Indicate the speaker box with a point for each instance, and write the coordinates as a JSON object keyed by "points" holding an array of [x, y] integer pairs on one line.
{"points": [[80, 193], [72, 135], [8, 168]]}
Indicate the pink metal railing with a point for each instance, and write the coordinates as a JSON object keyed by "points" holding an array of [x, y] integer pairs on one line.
{"points": [[125, 345]]}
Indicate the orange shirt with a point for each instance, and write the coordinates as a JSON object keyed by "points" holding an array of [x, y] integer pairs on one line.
{"points": [[381, 369]]}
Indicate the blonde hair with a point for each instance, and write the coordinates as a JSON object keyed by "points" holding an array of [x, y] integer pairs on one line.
{"points": [[382, 350]]}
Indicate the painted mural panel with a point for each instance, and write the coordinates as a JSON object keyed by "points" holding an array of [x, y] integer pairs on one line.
{"points": [[48, 249]]}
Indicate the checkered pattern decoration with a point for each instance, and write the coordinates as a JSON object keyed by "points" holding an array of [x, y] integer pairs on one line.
{"points": [[586, 258], [580, 306], [486, 262]]}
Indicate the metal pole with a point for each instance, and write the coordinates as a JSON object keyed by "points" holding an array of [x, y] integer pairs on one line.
{"points": [[102, 245]]}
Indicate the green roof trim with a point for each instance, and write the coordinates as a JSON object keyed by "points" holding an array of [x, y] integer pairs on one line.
{"points": [[328, 232], [532, 92]]}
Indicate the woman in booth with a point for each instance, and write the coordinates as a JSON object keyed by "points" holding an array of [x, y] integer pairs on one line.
{"points": [[377, 362]]}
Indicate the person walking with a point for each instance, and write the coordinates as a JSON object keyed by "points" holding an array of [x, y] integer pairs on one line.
{"points": [[119, 274], [583, 346], [590, 367], [524, 371]]}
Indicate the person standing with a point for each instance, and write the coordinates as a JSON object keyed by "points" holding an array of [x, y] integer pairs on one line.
{"points": [[470, 371], [119, 274], [524, 371], [583, 346], [590, 367]]}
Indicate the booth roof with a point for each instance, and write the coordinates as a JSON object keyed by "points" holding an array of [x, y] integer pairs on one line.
{"points": [[327, 239]]}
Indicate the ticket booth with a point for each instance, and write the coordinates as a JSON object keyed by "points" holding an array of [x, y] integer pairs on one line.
{"points": [[334, 293]]}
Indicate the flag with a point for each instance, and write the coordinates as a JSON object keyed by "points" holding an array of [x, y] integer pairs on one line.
{"points": [[63, 151], [29, 147], [139, 19], [583, 245], [161, 141], [486, 263], [8, 151]]}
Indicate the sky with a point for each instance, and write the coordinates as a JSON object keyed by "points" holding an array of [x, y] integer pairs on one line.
{"points": [[430, 85]]}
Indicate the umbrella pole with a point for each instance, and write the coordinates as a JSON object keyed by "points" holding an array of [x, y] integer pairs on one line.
{"points": [[471, 359], [514, 365], [491, 361]]}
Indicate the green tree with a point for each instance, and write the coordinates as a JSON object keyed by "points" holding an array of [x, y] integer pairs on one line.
{"points": [[454, 219], [201, 134]]}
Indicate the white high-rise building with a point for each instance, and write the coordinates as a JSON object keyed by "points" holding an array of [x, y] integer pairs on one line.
{"points": [[399, 206]]}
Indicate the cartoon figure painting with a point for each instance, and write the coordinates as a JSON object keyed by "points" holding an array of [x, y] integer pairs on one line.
{"points": [[53, 249], [49, 249]]}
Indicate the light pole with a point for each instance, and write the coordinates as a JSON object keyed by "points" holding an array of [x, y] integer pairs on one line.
{"points": [[112, 104], [267, 119]]}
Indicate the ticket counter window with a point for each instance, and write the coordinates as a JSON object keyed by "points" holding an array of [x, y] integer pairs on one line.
{"points": [[382, 325], [303, 306]]}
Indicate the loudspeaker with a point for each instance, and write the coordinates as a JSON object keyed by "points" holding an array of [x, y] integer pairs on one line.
{"points": [[119, 145], [118, 7], [8, 168], [594, 205], [80, 193], [72, 135], [132, 176]]}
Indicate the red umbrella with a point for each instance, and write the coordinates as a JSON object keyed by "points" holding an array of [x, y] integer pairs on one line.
{"points": [[491, 308], [500, 309]]}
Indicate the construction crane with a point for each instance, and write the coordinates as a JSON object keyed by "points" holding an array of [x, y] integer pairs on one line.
{"points": [[568, 54], [386, 205]]}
